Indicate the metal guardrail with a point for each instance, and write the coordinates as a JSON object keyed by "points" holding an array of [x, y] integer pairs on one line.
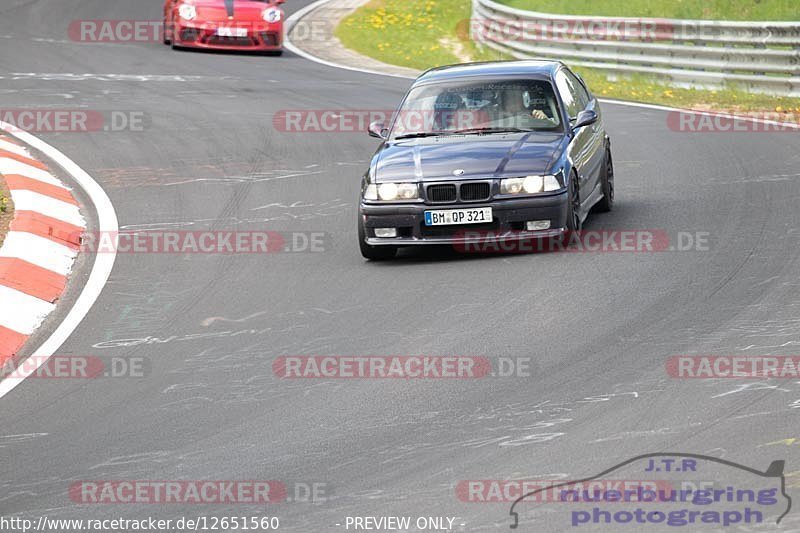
{"points": [[756, 56]]}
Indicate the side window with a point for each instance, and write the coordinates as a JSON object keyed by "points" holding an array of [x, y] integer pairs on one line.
{"points": [[582, 96], [568, 94]]}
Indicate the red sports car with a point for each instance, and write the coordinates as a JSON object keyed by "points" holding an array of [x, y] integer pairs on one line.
{"points": [[249, 25]]}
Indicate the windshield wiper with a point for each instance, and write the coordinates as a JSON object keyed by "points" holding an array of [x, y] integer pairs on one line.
{"points": [[422, 134], [493, 130]]}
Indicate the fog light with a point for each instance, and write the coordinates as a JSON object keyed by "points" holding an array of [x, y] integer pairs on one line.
{"points": [[386, 232], [533, 225]]}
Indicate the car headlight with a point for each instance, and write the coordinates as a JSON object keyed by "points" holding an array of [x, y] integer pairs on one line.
{"points": [[187, 11], [529, 185], [271, 14], [371, 192], [391, 191]]}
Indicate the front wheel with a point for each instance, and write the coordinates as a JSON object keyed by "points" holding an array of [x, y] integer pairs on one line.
{"points": [[373, 253], [607, 202], [167, 33], [574, 221], [173, 40]]}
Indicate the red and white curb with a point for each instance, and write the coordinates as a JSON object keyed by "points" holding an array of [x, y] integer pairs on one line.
{"points": [[101, 268], [40, 247]]}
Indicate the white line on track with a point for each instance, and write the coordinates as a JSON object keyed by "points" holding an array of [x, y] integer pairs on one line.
{"points": [[103, 263], [289, 45]]}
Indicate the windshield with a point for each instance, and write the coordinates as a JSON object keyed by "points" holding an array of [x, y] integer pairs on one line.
{"points": [[477, 107]]}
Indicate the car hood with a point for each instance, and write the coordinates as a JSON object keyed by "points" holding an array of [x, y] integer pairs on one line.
{"points": [[479, 156], [219, 10]]}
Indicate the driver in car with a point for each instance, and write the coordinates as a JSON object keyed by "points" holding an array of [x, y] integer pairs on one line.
{"points": [[516, 113]]}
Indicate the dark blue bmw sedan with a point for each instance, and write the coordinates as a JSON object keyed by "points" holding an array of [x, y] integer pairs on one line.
{"points": [[511, 149]]}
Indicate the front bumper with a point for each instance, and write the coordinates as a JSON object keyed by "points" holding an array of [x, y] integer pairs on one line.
{"points": [[261, 38], [508, 221]]}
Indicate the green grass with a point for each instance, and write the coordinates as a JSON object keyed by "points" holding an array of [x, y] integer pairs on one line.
{"points": [[647, 90], [6, 209], [427, 33], [412, 33], [680, 9]]}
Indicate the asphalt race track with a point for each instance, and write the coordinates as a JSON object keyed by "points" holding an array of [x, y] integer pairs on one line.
{"points": [[597, 327]]}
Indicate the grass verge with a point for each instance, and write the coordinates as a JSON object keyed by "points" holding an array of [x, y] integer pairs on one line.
{"points": [[427, 33], [412, 33], [6, 209]]}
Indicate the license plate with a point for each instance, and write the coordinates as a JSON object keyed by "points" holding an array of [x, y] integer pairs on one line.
{"points": [[232, 32], [448, 217]]}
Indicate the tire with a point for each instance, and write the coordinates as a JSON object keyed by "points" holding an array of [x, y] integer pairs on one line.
{"points": [[175, 45], [374, 253], [606, 204], [574, 222], [167, 34]]}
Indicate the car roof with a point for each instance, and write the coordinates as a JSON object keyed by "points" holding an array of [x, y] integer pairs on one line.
{"points": [[492, 69]]}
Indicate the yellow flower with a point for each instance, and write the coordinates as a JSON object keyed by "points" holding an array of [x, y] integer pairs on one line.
{"points": [[779, 109]]}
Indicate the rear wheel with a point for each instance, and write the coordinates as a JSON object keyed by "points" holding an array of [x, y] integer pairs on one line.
{"points": [[373, 253], [607, 203]]}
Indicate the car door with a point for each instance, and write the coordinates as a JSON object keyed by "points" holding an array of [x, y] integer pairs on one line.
{"points": [[596, 137], [580, 147]]}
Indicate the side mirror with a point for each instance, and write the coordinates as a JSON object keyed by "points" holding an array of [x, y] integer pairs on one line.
{"points": [[377, 129], [585, 118]]}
